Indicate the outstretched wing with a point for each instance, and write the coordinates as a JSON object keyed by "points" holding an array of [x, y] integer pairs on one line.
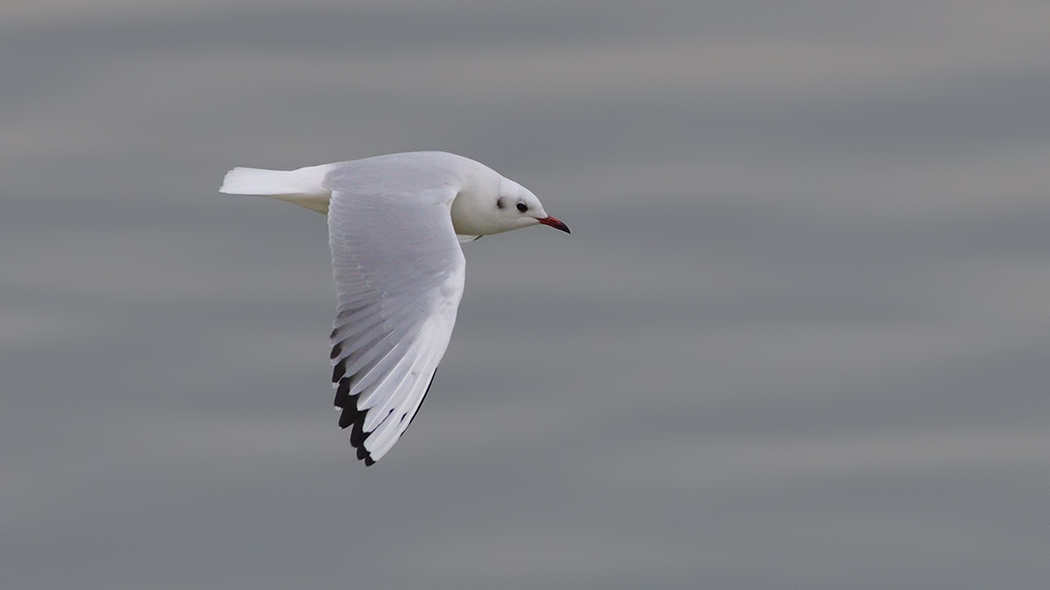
{"points": [[400, 271]]}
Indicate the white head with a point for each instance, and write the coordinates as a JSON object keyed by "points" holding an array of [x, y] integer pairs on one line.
{"points": [[490, 204]]}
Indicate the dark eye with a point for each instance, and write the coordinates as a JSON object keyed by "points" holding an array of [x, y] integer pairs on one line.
{"points": [[500, 203], [523, 207]]}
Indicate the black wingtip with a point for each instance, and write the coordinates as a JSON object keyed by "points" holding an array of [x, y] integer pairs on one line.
{"points": [[352, 418], [338, 371]]}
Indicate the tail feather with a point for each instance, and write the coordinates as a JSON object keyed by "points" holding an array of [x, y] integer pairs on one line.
{"points": [[304, 186]]}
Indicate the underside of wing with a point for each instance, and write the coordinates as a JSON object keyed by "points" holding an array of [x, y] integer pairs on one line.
{"points": [[399, 270]]}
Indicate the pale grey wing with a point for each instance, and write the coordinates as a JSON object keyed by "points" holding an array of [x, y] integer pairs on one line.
{"points": [[400, 271]]}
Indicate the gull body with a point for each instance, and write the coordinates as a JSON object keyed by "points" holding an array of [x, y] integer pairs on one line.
{"points": [[395, 224]]}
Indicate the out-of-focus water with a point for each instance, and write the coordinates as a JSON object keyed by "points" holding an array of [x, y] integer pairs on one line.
{"points": [[798, 338]]}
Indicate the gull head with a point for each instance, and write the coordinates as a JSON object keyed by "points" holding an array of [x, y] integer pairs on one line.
{"points": [[491, 204]]}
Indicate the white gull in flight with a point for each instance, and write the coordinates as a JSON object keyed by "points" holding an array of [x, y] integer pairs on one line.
{"points": [[393, 223]]}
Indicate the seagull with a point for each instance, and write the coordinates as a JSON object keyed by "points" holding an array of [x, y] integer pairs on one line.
{"points": [[395, 225]]}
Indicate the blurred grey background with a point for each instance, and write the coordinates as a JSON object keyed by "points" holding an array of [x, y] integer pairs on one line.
{"points": [[799, 338]]}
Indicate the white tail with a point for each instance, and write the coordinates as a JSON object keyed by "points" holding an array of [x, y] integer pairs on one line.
{"points": [[304, 187]]}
